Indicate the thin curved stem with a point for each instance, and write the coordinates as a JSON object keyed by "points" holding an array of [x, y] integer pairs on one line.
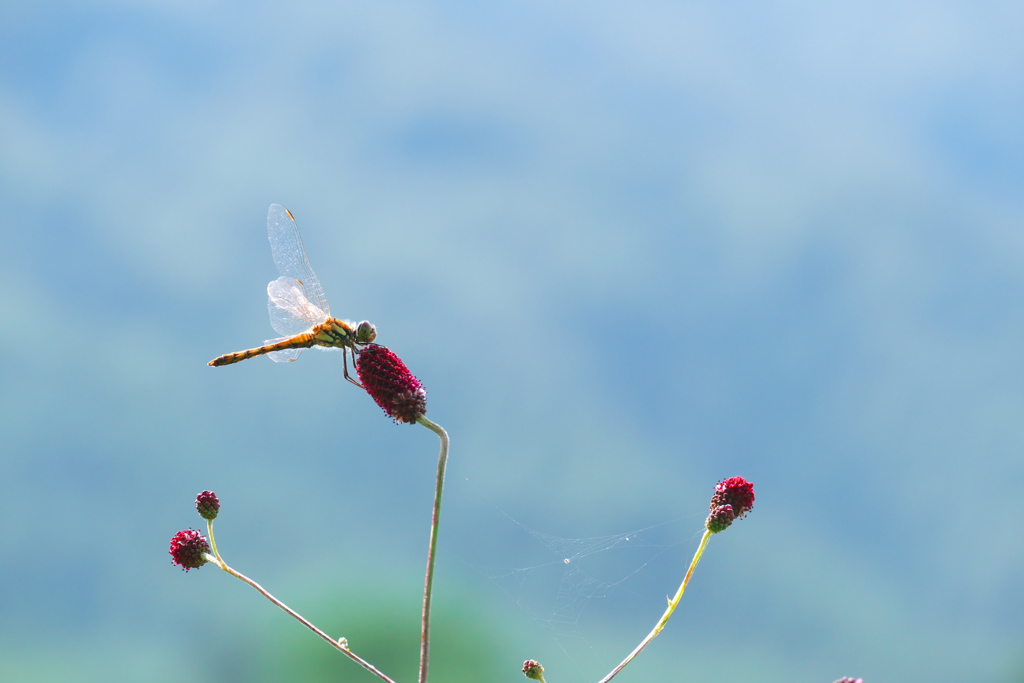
{"points": [[668, 612], [428, 584], [339, 645]]}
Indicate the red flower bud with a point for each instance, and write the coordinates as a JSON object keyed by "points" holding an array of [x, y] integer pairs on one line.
{"points": [[734, 491], [189, 549], [533, 669]]}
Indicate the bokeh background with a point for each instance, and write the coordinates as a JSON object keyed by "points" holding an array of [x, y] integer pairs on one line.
{"points": [[630, 248]]}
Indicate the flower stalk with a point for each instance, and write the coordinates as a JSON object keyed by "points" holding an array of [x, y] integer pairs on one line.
{"points": [[190, 550], [341, 644], [428, 583], [399, 394], [672, 604], [733, 498]]}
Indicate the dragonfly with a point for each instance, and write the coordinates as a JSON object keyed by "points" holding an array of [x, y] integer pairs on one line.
{"points": [[297, 305]]}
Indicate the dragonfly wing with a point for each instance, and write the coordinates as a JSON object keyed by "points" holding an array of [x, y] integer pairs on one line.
{"points": [[290, 311], [290, 256], [284, 355]]}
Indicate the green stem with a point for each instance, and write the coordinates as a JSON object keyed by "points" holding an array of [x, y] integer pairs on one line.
{"points": [[668, 612], [428, 585], [340, 645], [213, 543]]}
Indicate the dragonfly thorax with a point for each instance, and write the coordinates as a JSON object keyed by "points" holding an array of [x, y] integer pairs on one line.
{"points": [[341, 334]]}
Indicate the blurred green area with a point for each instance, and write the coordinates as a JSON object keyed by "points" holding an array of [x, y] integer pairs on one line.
{"points": [[465, 645]]}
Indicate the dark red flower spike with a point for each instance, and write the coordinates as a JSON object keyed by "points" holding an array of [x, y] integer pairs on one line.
{"points": [[389, 382]]}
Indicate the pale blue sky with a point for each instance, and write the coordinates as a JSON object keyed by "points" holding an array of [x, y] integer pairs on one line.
{"points": [[630, 249]]}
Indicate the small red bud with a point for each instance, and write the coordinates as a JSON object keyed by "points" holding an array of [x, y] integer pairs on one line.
{"points": [[720, 519], [208, 505], [533, 669]]}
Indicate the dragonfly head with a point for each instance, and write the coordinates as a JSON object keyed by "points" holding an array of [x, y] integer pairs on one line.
{"points": [[365, 333]]}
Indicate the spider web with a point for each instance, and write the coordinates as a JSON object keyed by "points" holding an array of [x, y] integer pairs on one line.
{"points": [[571, 585]]}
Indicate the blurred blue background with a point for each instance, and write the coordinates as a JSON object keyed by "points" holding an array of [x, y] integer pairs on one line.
{"points": [[629, 248]]}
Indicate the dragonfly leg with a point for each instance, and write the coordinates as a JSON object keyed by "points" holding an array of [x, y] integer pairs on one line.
{"points": [[344, 363]]}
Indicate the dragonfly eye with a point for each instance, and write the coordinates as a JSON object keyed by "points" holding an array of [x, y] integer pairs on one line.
{"points": [[365, 333]]}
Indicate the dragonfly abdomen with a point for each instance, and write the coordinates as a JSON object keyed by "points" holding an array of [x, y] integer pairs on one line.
{"points": [[299, 341]]}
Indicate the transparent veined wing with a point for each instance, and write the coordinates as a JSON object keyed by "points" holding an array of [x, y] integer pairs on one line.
{"points": [[290, 256], [282, 356], [290, 311]]}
